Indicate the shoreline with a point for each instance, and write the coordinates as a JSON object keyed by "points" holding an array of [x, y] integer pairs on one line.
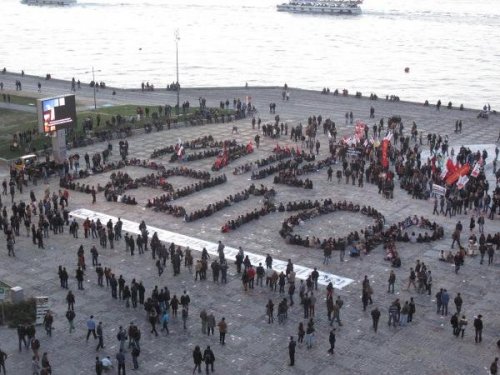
{"points": [[243, 87]]}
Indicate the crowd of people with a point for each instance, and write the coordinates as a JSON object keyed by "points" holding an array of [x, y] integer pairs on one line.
{"points": [[370, 236], [161, 309], [288, 178]]}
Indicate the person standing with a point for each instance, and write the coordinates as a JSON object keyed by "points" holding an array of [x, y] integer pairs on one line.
{"points": [[164, 321], [135, 354], [184, 316], [454, 324], [70, 315], [310, 334], [210, 324], [3, 358], [100, 345], [98, 366], [209, 358], [185, 300], [478, 326], [197, 358], [270, 311], [203, 317], [291, 350], [411, 279], [375, 318], [336, 311], [21, 335], [70, 299], [412, 310], [91, 327], [153, 316], [35, 347], [458, 303], [120, 359], [428, 282], [331, 340], [392, 281], [121, 336], [461, 326], [445, 299], [45, 365], [222, 330], [48, 320], [35, 366], [494, 367]]}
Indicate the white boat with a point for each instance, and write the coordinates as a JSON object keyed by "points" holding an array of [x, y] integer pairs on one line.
{"points": [[347, 7], [49, 2]]}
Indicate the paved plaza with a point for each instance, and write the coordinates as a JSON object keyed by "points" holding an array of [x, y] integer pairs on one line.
{"points": [[425, 346]]}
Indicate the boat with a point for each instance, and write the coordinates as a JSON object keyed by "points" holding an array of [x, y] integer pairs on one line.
{"points": [[340, 7], [49, 2]]}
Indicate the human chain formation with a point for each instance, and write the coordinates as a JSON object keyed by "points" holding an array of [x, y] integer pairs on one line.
{"points": [[161, 205], [278, 155], [48, 217], [201, 142]]}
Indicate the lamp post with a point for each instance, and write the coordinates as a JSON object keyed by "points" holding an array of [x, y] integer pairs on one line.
{"points": [[95, 83], [177, 38]]}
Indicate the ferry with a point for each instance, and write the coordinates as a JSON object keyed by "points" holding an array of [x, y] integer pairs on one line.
{"points": [[49, 2], [336, 7]]}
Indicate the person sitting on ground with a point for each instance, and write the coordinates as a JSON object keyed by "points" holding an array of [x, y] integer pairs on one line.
{"points": [[396, 262]]}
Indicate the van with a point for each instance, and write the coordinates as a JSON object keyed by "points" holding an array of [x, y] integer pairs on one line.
{"points": [[25, 162]]}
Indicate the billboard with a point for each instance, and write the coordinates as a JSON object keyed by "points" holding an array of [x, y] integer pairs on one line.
{"points": [[56, 113]]}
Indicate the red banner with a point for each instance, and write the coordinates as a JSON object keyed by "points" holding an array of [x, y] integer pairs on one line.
{"points": [[385, 149], [453, 177]]}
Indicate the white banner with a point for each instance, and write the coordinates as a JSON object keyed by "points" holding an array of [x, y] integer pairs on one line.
{"points": [[438, 190], [42, 306], [198, 245]]}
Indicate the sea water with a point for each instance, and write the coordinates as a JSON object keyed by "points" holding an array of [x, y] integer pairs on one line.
{"points": [[450, 46]]}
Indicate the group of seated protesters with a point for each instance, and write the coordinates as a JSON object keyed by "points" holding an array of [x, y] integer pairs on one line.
{"points": [[300, 205], [212, 208], [266, 209], [370, 237], [185, 172], [282, 165], [314, 167], [70, 184], [202, 142], [397, 232], [161, 203], [279, 154], [292, 166], [242, 169], [205, 154], [198, 186], [288, 178], [111, 196]]}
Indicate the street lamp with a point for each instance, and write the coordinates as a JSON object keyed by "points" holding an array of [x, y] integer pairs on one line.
{"points": [[95, 85], [177, 38]]}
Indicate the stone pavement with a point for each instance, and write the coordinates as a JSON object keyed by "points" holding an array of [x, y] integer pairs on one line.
{"points": [[254, 347]]}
